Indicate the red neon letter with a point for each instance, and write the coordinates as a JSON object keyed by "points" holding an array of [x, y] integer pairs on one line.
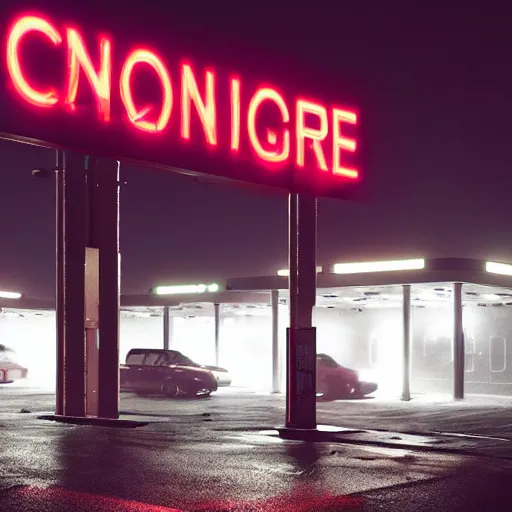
{"points": [[304, 132], [235, 114], [206, 110], [342, 143], [259, 97], [78, 57], [22, 27], [136, 116]]}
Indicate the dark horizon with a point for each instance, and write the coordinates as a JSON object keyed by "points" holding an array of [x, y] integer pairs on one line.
{"points": [[435, 118]]}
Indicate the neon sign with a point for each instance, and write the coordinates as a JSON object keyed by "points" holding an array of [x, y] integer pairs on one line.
{"points": [[297, 138]]}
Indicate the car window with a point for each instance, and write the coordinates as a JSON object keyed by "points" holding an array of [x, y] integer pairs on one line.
{"points": [[7, 356], [185, 360], [135, 358], [162, 360], [151, 358], [174, 357]]}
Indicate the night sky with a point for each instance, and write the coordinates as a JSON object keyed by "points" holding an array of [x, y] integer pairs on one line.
{"points": [[435, 109]]}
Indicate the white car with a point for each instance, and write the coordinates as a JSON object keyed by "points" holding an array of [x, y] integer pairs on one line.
{"points": [[10, 370]]}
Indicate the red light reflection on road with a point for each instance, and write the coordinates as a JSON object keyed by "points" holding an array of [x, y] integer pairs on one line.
{"points": [[75, 500], [302, 499]]}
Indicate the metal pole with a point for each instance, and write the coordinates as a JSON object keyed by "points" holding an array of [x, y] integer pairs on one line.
{"points": [[92, 294], [106, 225], [217, 333], [73, 315], [60, 280], [458, 343], [301, 336], [274, 305], [92, 300], [406, 356], [167, 333]]}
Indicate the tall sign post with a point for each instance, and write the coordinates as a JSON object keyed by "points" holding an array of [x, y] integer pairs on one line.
{"points": [[103, 194], [70, 308], [301, 335], [60, 285]]}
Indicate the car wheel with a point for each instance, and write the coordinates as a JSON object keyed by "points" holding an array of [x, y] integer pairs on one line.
{"points": [[330, 392], [335, 392], [170, 389], [356, 392]]}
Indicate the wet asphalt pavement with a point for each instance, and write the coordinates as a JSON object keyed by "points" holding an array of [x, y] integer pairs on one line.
{"points": [[218, 454]]}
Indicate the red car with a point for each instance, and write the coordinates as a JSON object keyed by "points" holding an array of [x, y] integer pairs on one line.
{"points": [[334, 382], [10, 370]]}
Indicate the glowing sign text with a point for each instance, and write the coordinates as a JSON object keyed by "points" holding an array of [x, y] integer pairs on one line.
{"points": [[275, 130]]}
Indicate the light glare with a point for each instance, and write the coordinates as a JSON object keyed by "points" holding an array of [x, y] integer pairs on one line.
{"points": [[378, 266], [187, 288], [498, 268], [10, 295]]}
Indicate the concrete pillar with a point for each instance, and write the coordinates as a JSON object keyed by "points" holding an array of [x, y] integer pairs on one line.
{"points": [[60, 285], [103, 186], [458, 344], [301, 336], [71, 209], [276, 367], [92, 300], [217, 333], [167, 328], [406, 352]]}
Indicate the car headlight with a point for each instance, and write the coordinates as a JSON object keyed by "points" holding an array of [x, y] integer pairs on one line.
{"points": [[368, 375]]}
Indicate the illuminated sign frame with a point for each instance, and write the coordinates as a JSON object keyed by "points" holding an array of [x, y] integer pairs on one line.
{"points": [[104, 95]]}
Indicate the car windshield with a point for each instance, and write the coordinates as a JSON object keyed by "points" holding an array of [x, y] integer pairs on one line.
{"points": [[179, 358], [7, 355]]}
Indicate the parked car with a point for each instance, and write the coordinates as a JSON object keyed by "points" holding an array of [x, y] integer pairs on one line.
{"points": [[10, 370], [334, 382], [165, 372]]}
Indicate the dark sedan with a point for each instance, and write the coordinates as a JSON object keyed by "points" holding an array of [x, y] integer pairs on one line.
{"points": [[165, 372]]}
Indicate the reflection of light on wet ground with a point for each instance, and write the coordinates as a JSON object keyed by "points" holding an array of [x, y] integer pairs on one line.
{"points": [[302, 498], [392, 453], [41, 497], [272, 437], [261, 437]]}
